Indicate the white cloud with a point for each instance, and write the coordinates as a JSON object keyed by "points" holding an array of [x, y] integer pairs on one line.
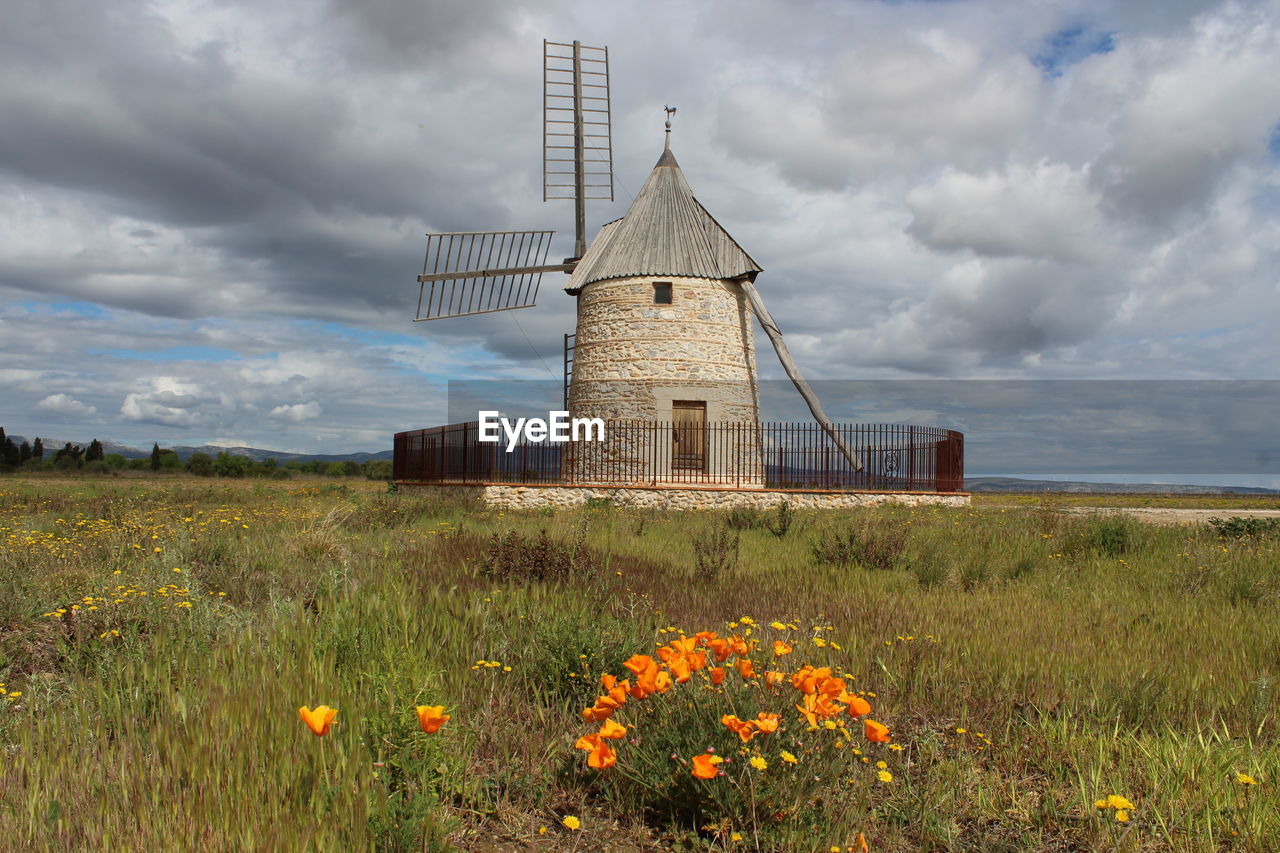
{"points": [[169, 402], [61, 404], [1046, 210], [1192, 107], [298, 412]]}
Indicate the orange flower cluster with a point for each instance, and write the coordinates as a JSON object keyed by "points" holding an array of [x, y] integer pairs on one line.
{"points": [[747, 729], [824, 695]]}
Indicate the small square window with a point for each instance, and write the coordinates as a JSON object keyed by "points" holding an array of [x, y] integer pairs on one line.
{"points": [[662, 293]]}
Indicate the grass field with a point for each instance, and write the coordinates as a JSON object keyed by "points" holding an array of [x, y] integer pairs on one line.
{"points": [[157, 639]]}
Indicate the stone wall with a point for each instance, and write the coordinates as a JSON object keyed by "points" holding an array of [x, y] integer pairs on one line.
{"points": [[566, 497], [632, 357]]}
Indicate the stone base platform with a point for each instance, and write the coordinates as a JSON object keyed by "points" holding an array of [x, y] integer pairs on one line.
{"points": [[515, 496]]}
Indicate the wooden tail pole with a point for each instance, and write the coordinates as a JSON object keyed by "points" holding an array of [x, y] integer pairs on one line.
{"points": [[789, 365]]}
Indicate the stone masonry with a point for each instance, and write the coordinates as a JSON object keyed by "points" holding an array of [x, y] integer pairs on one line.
{"points": [[633, 357]]}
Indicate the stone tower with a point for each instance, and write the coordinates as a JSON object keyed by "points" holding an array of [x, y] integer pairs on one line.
{"points": [[665, 332]]}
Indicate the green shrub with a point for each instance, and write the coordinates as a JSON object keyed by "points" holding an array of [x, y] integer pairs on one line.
{"points": [[1240, 527], [743, 518], [779, 523], [715, 552], [873, 546], [1111, 535], [515, 557]]}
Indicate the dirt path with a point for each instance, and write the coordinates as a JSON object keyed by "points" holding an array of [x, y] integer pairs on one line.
{"points": [[1166, 515]]}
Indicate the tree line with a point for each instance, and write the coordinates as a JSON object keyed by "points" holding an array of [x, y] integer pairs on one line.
{"points": [[91, 459]]}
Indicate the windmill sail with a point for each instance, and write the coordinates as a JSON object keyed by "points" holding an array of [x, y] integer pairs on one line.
{"points": [[575, 79], [478, 272]]}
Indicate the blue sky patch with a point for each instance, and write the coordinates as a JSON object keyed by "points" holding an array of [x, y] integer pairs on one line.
{"points": [[1068, 46]]}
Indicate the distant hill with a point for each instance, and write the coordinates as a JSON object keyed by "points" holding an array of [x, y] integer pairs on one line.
{"points": [[1013, 484], [184, 452]]}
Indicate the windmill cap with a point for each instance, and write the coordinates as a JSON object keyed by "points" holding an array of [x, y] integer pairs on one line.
{"points": [[666, 231]]}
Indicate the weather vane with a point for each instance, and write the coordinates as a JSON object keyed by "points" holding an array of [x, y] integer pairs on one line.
{"points": [[670, 112]]}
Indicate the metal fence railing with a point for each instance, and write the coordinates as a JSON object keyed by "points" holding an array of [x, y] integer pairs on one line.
{"points": [[771, 455]]}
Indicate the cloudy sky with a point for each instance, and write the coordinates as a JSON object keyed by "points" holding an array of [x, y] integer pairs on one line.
{"points": [[212, 212]]}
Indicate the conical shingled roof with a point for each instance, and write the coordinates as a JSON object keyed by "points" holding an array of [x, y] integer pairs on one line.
{"points": [[665, 232]]}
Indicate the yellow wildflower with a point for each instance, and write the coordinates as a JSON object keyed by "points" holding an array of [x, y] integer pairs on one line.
{"points": [[571, 822], [788, 757]]}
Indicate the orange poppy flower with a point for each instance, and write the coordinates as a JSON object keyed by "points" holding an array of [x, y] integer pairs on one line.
{"points": [[662, 682], [680, 669], [773, 678], [704, 637], [431, 717], [641, 665], [858, 707], [601, 754], [720, 647], [877, 732], [704, 766], [613, 730], [780, 648], [616, 697], [745, 729], [739, 646], [318, 720], [717, 675], [767, 722], [678, 648], [602, 757], [818, 705], [807, 678], [831, 686], [596, 714], [807, 710], [745, 668]]}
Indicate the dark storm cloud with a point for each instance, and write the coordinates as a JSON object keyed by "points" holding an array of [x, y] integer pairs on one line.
{"points": [[322, 191]]}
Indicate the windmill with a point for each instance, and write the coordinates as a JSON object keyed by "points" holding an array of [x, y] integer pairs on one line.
{"points": [[665, 295]]}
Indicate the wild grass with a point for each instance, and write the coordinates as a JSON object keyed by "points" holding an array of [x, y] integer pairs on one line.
{"points": [[1027, 662]]}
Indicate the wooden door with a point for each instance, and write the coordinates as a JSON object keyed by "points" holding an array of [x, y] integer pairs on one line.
{"points": [[689, 435]]}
